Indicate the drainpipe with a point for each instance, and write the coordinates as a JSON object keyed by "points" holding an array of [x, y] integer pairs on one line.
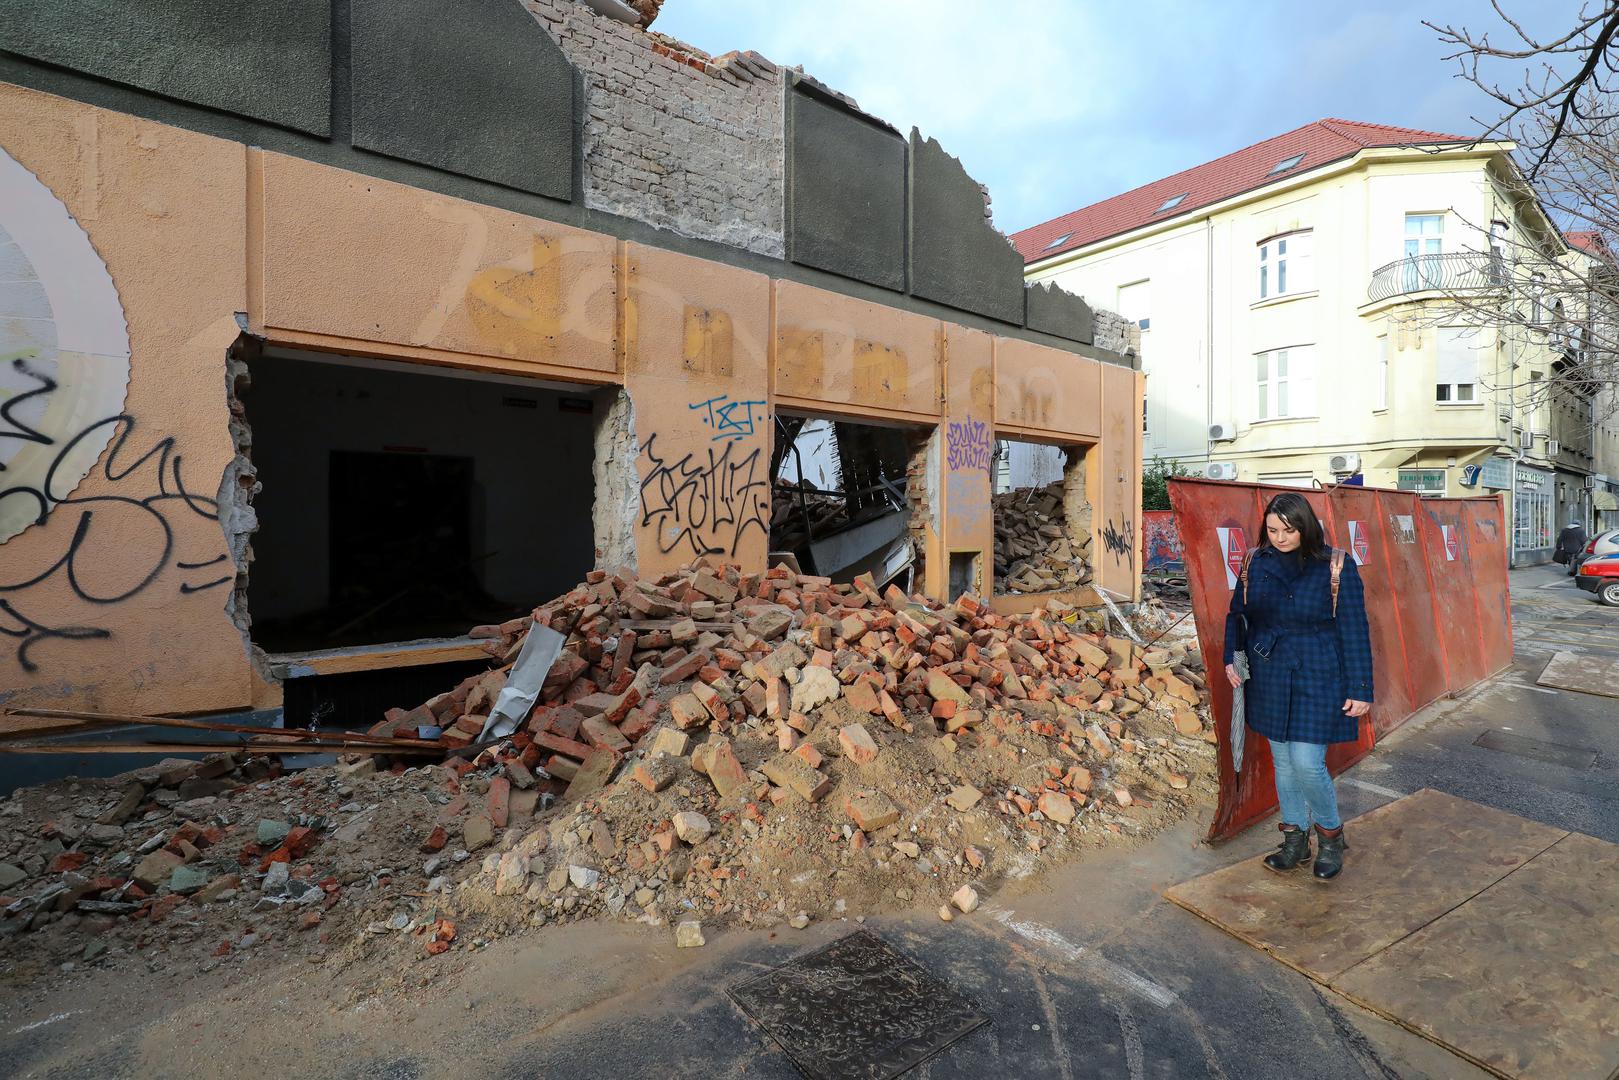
{"points": [[1208, 235]]}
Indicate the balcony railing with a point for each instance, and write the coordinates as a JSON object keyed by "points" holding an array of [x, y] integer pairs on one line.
{"points": [[1467, 271]]}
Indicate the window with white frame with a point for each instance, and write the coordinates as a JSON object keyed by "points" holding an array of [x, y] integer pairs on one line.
{"points": [[1381, 398], [1284, 383], [1424, 244], [1133, 303], [1286, 264], [1456, 380]]}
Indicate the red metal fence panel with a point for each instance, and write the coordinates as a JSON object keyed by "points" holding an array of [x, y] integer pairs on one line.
{"points": [[1435, 573]]}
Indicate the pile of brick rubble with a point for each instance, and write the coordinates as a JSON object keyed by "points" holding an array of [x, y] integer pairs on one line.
{"points": [[1035, 551]]}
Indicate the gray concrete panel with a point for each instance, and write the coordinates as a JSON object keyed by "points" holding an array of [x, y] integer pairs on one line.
{"points": [[957, 256], [846, 184], [1052, 310], [476, 88], [271, 62]]}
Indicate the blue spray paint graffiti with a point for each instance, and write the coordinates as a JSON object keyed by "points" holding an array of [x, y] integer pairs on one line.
{"points": [[734, 420]]}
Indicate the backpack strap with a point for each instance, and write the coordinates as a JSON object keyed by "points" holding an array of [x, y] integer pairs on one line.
{"points": [[1337, 574], [1247, 558]]}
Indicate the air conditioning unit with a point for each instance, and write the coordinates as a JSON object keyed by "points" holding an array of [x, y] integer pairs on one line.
{"points": [[1221, 470], [1553, 447], [1345, 464], [1222, 432], [1590, 483], [1505, 416], [1526, 440]]}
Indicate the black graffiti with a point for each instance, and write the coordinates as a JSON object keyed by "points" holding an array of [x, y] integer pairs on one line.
{"points": [[708, 505], [149, 488], [1120, 544]]}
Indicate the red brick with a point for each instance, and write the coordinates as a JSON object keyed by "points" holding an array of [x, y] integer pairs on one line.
{"points": [[811, 755], [857, 744], [558, 744], [604, 736], [68, 860], [685, 669], [863, 696], [500, 797], [436, 839]]}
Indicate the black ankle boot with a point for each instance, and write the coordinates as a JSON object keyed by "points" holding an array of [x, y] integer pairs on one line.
{"points": [[1295, 850], [1329, 857]]}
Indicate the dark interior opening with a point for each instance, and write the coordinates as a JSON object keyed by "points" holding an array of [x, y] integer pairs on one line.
{"points": [[964, 572], [402, 502], [849, 498]]}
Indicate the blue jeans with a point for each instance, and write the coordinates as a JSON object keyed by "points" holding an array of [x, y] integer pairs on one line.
{"points": [[1303, 785]]}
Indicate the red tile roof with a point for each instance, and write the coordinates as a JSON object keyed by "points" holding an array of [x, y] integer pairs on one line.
{"points": [[1244, 170], [1587, 240]]}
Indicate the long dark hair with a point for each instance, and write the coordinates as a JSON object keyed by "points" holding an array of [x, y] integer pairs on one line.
{"points": [[1296, 511]]}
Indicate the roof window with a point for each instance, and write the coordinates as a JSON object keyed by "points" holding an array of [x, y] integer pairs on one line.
{"points": [[1170, 204], [1285, 164], [1059, 242]]}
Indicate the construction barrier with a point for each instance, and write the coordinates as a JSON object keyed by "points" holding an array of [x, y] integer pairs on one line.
{"points": [[1435, 573], [1160, 542]]}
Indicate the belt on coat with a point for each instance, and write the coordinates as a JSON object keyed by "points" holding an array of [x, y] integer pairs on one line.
{"points": [[1264, 641]]}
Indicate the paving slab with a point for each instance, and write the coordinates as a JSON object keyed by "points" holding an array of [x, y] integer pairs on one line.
{"points": [[1408, 863], [1524, 978], [1583, 672]]}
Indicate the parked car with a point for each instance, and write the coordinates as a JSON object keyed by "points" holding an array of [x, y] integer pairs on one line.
{"points": [[1599, 574], [1603, 543]]}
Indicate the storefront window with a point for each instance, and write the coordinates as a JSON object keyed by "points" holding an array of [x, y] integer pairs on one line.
{"points": [[1532, 524]]}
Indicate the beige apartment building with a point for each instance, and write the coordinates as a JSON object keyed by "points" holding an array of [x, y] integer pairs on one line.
{"points": [[1298, 323]]}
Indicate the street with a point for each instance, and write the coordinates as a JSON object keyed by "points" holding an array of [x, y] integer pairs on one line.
{"points": [[1083, 972]]}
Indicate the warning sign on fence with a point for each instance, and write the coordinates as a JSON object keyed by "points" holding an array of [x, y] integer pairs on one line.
{"points": [[1359, 543], [1233, 546]]}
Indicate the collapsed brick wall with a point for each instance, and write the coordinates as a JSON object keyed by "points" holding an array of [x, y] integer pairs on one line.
{"points": [[673, 136], [1043, 535]]}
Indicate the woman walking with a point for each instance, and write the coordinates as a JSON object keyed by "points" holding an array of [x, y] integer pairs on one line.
{"points": [[1299, 613]]}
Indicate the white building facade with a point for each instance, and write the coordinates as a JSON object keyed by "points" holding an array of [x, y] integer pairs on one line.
{"points": [[1295, 328]]}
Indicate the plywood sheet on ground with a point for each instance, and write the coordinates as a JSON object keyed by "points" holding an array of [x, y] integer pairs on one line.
{"points": [[1409, 862], [1524, 978], [1582, 672]]}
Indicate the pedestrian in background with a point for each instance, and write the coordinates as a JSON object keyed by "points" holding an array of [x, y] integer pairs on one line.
{"points": [[1299, 614], [1569, 542]]}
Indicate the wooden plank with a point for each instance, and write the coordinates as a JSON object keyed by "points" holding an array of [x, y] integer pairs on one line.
{"points": [[90, 720], [206, 748], [377, 657], [1523, 979], [1582, 673], [1023, 603], [1384, 893]]}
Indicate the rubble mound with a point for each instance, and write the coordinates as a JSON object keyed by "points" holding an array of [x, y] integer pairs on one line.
{"points": [[709, 747], [1034, 549], [775, 748]]}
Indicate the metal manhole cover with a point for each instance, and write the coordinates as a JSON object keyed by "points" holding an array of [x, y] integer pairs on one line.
{"points": [[856, 1008]]}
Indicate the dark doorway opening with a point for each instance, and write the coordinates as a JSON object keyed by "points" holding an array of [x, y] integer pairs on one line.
{"points": [[402, 502]]}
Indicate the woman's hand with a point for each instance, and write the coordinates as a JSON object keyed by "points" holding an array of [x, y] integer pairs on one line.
{"points": [[1357, 708], [1231, 673]]}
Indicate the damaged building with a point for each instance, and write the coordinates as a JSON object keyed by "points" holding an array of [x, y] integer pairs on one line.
{"points": [[329, 337]]}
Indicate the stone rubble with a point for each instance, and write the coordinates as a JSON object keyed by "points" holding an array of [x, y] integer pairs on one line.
{"points": [[1035, 550]]}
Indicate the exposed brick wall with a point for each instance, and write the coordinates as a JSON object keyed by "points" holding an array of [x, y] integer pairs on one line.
{"points": [[672, 136], [1117, 334]]}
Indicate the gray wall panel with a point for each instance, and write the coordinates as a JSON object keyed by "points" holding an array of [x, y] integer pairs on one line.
{"points": [[475, 87], [270, 62], [1056, 311], [846, 178], [957, 256]]}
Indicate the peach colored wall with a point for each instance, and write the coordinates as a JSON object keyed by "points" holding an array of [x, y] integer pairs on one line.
{"points": [[1115, 479], [855, 358], [697, 358], [129, 578], [967, 446], [194, 230], [346, 262], [1045, 392]]}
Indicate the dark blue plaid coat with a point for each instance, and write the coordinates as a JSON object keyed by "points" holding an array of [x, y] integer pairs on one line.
{"points": [[1304, 662]]}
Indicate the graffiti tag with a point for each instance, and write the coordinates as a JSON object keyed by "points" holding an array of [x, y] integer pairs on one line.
{"points": [[1161, 541], [708, 505], [969, 445], [145, 492], [730, 419], [1120, 543]]}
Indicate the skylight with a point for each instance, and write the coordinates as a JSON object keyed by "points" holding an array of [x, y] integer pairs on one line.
{"points": [[1059, 242], [1285, 164], [1170, 204]]}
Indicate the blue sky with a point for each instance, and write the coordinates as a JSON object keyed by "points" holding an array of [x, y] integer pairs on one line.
{"points": [[1058, 103]]}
